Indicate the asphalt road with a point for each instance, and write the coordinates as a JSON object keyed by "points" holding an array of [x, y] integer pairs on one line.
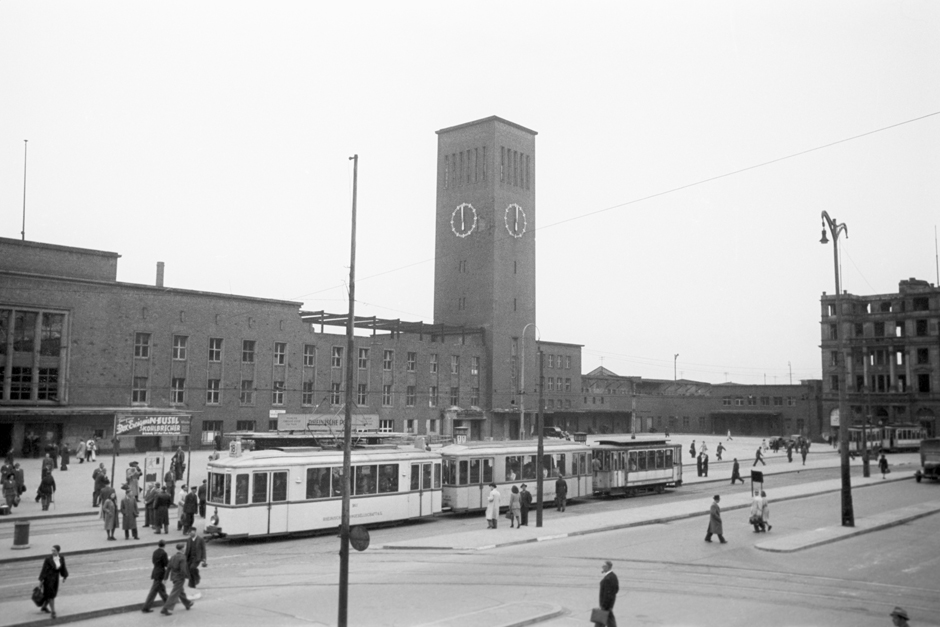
{"points": [[669, 576]]}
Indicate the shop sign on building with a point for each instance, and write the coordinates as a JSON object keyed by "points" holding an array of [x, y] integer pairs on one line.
{"points": [[326, 423], [151, 425]]}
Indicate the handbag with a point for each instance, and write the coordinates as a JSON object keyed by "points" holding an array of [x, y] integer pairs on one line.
{"points": [[599, 616], [754, 520], [38, 596]]}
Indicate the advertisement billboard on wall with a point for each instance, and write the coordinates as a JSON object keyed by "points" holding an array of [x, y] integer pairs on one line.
{"points": [[151, 425], [326, 423]]}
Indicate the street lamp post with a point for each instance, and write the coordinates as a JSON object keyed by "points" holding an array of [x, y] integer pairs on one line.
{"points": [[522, 381], [848, 514]]}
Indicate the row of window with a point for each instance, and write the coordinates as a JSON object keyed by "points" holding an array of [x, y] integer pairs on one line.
{"points": [[464, 167], [634, 461], [882, 383], [321, 483], [777, 401], [918, 303], [27, 384], [31, 332], [921, 329], [143, 346], [514, 168], [479, 470]]}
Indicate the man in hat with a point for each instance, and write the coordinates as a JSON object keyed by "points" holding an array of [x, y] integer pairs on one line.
{"points": [[161, 511], [160, 561], [899, 617], [714, 522], [195, 556], [177, 571], [129, 512], [133, 480], [525, 498]]}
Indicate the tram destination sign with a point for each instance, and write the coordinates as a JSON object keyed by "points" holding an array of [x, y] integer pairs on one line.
{"points": [[151, 425], [326, 423]]}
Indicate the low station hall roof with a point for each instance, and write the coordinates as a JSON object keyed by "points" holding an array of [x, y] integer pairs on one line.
{"points": [[395, 326]]}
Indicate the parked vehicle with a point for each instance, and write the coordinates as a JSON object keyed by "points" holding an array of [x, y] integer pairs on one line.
{"points": [[929, 460], [555, 432]]}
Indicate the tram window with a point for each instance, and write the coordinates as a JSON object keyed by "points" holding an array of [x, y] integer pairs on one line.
{"points": [[560, 464], [575, 463], [669, 458], [337, 478], [278, 486], [318, 483], [464, 473], [450, 473], [487, 470], [259, 487], [217, 485], [632, 461], [241, 489], [426, 476], [513, 468], [388, 478], [365, 480], [528, 468], [474, 471], [641, 460], [437, 475], [416, 474], [548, 466], [660, 459]]}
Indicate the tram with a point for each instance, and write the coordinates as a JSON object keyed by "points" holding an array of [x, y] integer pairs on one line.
{"points": [[874, 436], [470, 468], [296, 489], [630, 467], [903, 437]]}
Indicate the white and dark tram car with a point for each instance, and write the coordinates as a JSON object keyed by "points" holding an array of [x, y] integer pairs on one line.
{"points": [[628, 466], [292, 490], [470, 468]]}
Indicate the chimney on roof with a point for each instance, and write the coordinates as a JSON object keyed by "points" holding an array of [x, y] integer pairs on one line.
{"points": [[159, 274]]}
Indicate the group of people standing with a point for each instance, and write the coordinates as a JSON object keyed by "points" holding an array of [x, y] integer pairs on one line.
{"points": [[520, 502]]}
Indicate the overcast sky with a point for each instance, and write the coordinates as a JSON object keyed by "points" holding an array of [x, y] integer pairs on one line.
{"points": [[216, 136]]}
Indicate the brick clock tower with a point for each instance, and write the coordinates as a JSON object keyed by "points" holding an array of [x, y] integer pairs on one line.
{"points": [[484, 273]]}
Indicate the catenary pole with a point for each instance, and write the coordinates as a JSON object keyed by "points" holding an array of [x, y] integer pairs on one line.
{"points": [[347, 423], [539, 462]]}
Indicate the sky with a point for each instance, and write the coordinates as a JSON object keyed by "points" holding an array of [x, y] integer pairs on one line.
{"points": [[685, 152]]}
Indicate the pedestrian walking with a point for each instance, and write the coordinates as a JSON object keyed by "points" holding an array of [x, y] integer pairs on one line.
{"points": [[161, 511], [20, 478], [100, 476], [65, 456], [899, 617], [763, 444], [515, 508], [765, 510], [92, 449], [757, 513], [525, 498], [718, 451], [46, 490], [561, 492], [129, 513], [201, 493], [704, 448], [789, 453], [692, 450], [609, 588], [109, 516], [736, 472], [729, 435], [714, 522], [48, 462], [803, 451], [160, 561], [190, 507], [177, 572], [133, 474], [698, 465], [180, 502], [492, 507], [759, 457], [10, 492], [80, 452], [883, 466], [53, 567], [52, 449], [195, 556]]}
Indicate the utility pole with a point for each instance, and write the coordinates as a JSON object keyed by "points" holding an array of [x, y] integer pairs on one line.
{"points": [[540, 452], [23, 232], [347, 426]]}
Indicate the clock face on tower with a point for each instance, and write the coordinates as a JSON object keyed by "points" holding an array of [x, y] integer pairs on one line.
{"points": [[463, 220], [515, 220]]}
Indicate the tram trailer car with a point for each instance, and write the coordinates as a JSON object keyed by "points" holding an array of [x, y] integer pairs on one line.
{"points": [[902, 437], [293, 490], [929, 460], [470, 468], [634, 466]]}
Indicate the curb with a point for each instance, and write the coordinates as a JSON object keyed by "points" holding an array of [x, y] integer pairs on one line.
{"points": [[13, 518], [74, 618], [106, 549], [537, 619]]}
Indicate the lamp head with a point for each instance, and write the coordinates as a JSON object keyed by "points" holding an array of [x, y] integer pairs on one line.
{"points": [[824, 239]]}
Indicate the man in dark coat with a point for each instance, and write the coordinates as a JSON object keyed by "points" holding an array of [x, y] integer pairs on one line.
{"points": [[100, 475], [129, 512], [704, 464], [179, 463], [48, 462], [561, 492], [698, 465], [714, 522], [195, 556], [610, 586], [160, 561], [525, 499], [201, 493], [107, 492], [736, 472], [65, 456], [190, 507], [53, 567], [161, 511], [150, 496], [177, 571], [169, 480], [46, 490]]}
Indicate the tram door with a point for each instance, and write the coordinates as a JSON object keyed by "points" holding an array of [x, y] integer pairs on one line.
{"points": [[421, 482], [269, 490]]}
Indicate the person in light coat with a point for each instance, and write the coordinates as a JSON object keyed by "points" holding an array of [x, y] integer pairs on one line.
{"points": [[765, 510], [757, 513], [492, 507], [515, 508], [109, 515]]}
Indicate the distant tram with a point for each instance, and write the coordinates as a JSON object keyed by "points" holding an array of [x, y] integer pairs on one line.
{"points": [[292, 490], [890, 438], [470, 468], [629, 467]]}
